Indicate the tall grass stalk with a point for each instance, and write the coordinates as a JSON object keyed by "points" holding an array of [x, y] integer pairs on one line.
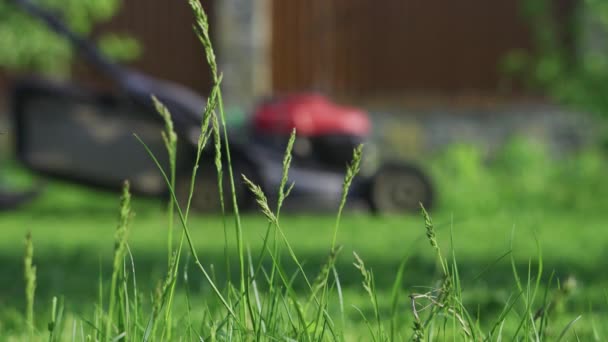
{"points": [[430, 234], [170, 140], [283, 194], [272, 218], [220, 185], [136, 304], [203, 138], [203, 35], [29, 272], [351, 171], [186, 230], [370, 287], [120, 250], [160, 299], [445, 299]]}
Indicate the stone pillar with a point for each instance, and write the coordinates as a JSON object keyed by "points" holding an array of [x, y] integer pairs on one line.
{"points": [[243, 37]]}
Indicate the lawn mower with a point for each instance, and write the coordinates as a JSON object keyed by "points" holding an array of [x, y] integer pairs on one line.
{"points": [[67, 131]]}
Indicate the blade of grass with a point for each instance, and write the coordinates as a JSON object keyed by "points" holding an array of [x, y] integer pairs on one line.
{"points": [[568, 327]]}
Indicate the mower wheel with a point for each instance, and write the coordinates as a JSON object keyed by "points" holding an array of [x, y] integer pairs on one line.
{"points": [[206, 197], [398, 188]]}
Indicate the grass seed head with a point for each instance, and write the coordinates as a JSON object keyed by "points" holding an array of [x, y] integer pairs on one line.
{"points": [[260, 198], [217, 143], [367, 276], [321, 279], [418, 331], [286, 165], [353, 168], [169, 135], [430, 229], [202, 28]]}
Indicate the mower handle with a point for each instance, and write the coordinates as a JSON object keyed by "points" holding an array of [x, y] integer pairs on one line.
{"points": [[183, 102]]}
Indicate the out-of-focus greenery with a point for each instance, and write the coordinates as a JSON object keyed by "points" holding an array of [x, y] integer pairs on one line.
{"points": [[27, 44], [520, 176], [569, 60]]}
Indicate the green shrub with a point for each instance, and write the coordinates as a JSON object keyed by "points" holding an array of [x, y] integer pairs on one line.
{"points": [[522, 174], [569, 59]]}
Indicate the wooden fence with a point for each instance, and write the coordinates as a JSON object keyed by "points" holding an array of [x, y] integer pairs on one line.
{"points": [[368, 47], [171, 50], [346, 47]]}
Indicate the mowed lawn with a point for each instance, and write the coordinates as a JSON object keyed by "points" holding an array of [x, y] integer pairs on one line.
{"points": [[73, 229]]}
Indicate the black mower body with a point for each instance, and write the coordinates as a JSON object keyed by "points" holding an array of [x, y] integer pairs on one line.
{"points": [[69, 133]]}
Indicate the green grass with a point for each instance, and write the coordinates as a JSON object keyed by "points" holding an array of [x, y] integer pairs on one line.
{"points": [[515, 250], [71, 243]]}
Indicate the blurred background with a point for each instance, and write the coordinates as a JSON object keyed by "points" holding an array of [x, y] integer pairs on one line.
{"points": [[434, 76], [474, 71], [503, 103]]}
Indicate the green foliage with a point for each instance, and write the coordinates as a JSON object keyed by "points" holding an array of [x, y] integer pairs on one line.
{"points": [[569, 60], [523, 174], [28, 45], [119, 47]]}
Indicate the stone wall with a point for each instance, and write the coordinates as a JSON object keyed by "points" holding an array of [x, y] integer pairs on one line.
{"points": [[417, 134]]}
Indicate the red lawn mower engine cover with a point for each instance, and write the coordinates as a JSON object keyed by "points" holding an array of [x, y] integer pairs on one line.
{"points": [[311, 115], [331, 130]]}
